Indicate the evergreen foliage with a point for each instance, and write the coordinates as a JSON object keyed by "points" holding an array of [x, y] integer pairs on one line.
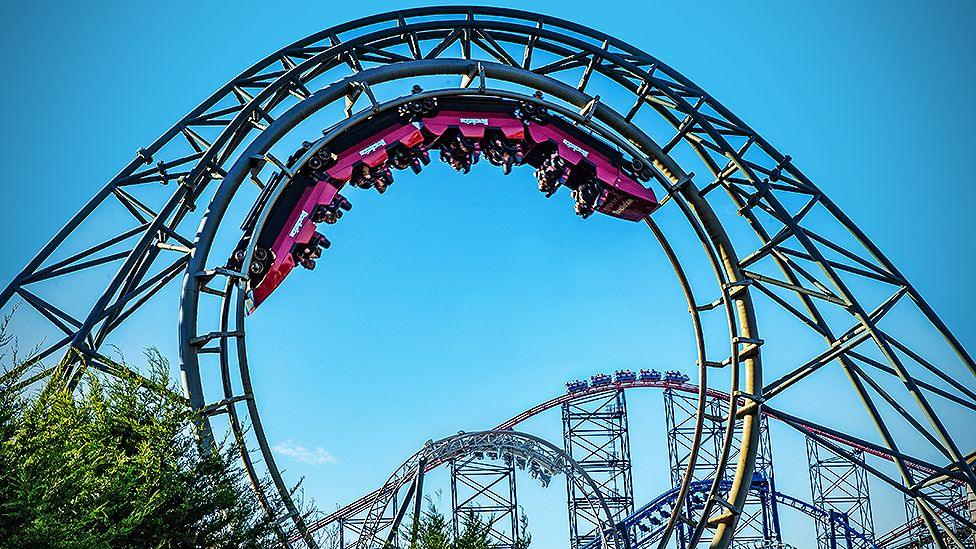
{"points": [[434, 531], [115, 464]]}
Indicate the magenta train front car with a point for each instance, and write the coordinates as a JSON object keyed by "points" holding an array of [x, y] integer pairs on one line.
{"points": [[462, 130]]}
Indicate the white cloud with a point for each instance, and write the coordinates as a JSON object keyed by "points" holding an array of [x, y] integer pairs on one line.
{"points": [[299, 452]]}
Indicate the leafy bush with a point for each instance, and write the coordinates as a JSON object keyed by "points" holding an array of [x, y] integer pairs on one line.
{"points": [[116, 464]]}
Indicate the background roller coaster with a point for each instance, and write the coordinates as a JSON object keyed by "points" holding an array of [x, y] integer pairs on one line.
{"points": [[789, 247], [841, 514]]}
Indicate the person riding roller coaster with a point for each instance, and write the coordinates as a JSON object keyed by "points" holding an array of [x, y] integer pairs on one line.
{"points": [[462, 129]]}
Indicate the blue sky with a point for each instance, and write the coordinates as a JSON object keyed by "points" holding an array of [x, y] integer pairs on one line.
{"points": [[450, 305]]}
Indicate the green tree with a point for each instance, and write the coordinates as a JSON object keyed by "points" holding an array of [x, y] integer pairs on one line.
{"points": [[116, 464], [434, 532], [525, 537], [473, 535]]}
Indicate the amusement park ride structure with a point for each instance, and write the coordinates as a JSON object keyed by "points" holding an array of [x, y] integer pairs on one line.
{"points": [[524, 96], [840, 507]]}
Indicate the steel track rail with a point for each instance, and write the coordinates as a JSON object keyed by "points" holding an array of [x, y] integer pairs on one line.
{"points": [[795, 258]]}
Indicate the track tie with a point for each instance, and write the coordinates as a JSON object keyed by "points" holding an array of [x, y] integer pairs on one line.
{"points": [[683, 182], [287, 516], [735, 290], [208, 290], [221, 406], [726, 516], [714, 418], [758, 399], [750, 347], [709, 306], [687, 521], [204, 339], [209, 274], [587, 111]]}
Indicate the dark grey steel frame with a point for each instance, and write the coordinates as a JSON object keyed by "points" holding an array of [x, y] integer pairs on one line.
{"points": [[256, 154], [839, 485], [826, 519], [493, 500], [436, 453], [759, 518], [594, 430], [753, 175]]}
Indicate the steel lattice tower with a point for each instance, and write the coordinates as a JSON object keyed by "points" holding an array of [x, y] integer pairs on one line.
{"points": [[596, 436], [778, 246], [953, 495], [839, 484], [758, 521], [486, 491]]}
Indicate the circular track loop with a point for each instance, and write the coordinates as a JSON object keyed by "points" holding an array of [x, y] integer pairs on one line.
{"points": [[228, 138]]}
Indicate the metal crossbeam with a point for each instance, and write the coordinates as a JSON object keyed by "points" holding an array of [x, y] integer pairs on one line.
{"points": [[758, 520], [951, 494], [811, 262], [840, 486], [595, 434], [486, 492]]}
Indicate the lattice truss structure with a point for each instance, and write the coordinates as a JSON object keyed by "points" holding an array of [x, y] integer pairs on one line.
{"points": [[644, 530], [349, 530], [645, 526], [486, 491], [596, 435], [512, 449], [773, 245], [953, 494], [840, 486], [759, 521]]}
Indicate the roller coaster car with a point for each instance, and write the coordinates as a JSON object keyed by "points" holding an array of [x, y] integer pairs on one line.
{"points": [[463, 129], [600, 380], [509, 133], [289, 237], [576, 386], [413, 110], [625, 376], [675, 376], [650, 375], [306, 145], [365, 161], [600, 178], [475, 118]]}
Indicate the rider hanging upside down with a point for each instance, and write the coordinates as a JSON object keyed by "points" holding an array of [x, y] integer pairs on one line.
{"points": [[462, 129]]}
